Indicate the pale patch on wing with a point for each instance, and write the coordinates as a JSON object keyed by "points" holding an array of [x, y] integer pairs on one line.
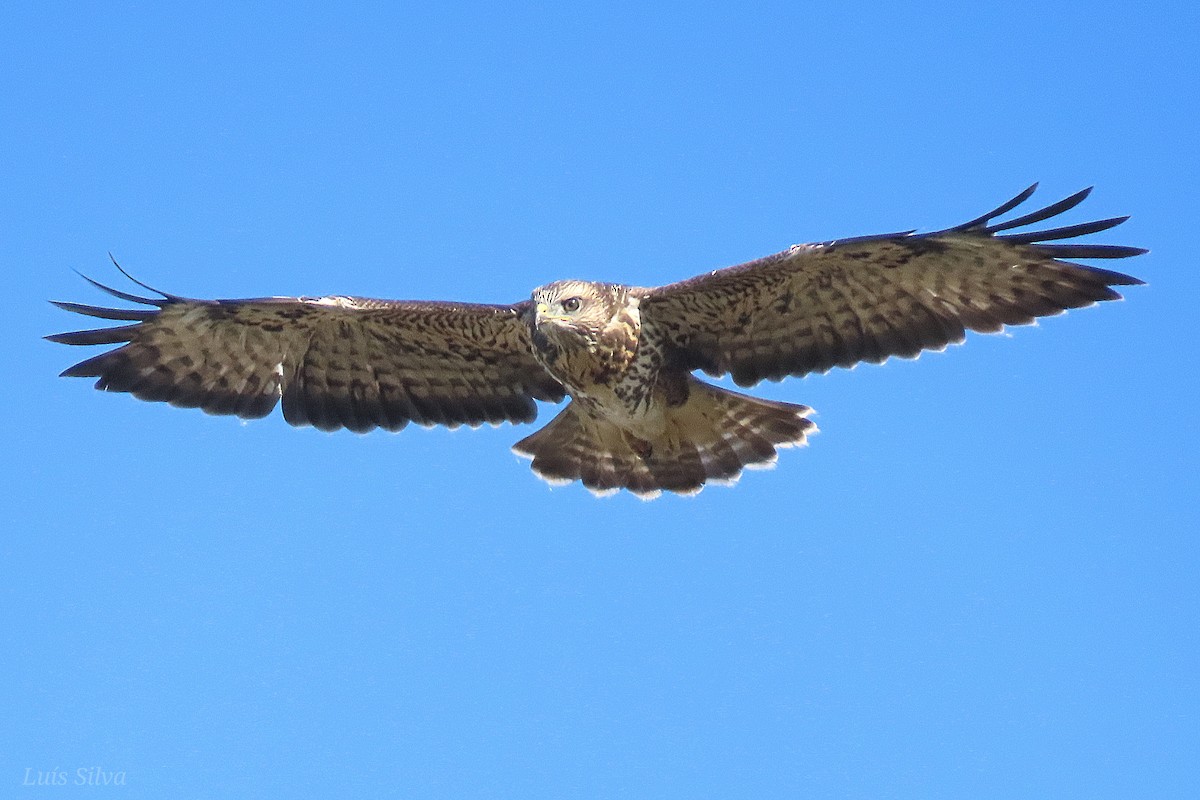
{"points": [[334, 301]]}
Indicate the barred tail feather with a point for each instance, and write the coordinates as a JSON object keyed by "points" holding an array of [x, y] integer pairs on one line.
{"points": [[709, 438]]}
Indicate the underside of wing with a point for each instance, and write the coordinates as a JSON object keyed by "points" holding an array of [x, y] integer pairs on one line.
{"points": [[838, 303], [335, 362]]}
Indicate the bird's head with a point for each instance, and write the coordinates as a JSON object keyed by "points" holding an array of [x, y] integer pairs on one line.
{"points": [[571, 309], [582, 331]]}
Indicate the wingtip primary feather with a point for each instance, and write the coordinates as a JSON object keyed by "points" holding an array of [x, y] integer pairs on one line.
{"points": [[1065, 232], [1045, 241], [147, 287], [1004, 208], [115, 335], [1052, 210], [104, 313], [120, 295]]}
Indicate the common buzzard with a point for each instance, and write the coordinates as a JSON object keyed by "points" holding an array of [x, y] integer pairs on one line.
{"points": [[638, 418]]}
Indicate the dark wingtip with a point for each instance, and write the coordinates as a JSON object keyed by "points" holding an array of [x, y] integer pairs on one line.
{"points": [[996, 212], [1119, 278], [132, 298], [1089, 250], [104, 313], [91, 368], [1052, 210], [114, 335], [1067, 232], [166, 295]]}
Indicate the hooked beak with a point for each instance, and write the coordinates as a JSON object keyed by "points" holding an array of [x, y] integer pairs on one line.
{"points": [[543, 315]]}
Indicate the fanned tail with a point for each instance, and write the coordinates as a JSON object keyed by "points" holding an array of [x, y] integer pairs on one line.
{"points": [[709, 438]]}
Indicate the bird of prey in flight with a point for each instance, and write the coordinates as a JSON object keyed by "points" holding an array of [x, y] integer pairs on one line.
{"points": [[639, 418]]}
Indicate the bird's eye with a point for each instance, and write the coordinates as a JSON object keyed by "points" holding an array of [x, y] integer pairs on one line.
{"points": [[571, 304]]}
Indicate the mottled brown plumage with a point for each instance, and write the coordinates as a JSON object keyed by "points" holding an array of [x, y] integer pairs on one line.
{"points": [[638, 419]]}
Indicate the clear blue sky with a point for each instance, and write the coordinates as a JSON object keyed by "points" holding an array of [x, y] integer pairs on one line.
{"points": [[981, 579]]}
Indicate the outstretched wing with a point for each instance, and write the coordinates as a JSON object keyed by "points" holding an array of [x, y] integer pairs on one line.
{"points": [[817, 306], [337, 362]]}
